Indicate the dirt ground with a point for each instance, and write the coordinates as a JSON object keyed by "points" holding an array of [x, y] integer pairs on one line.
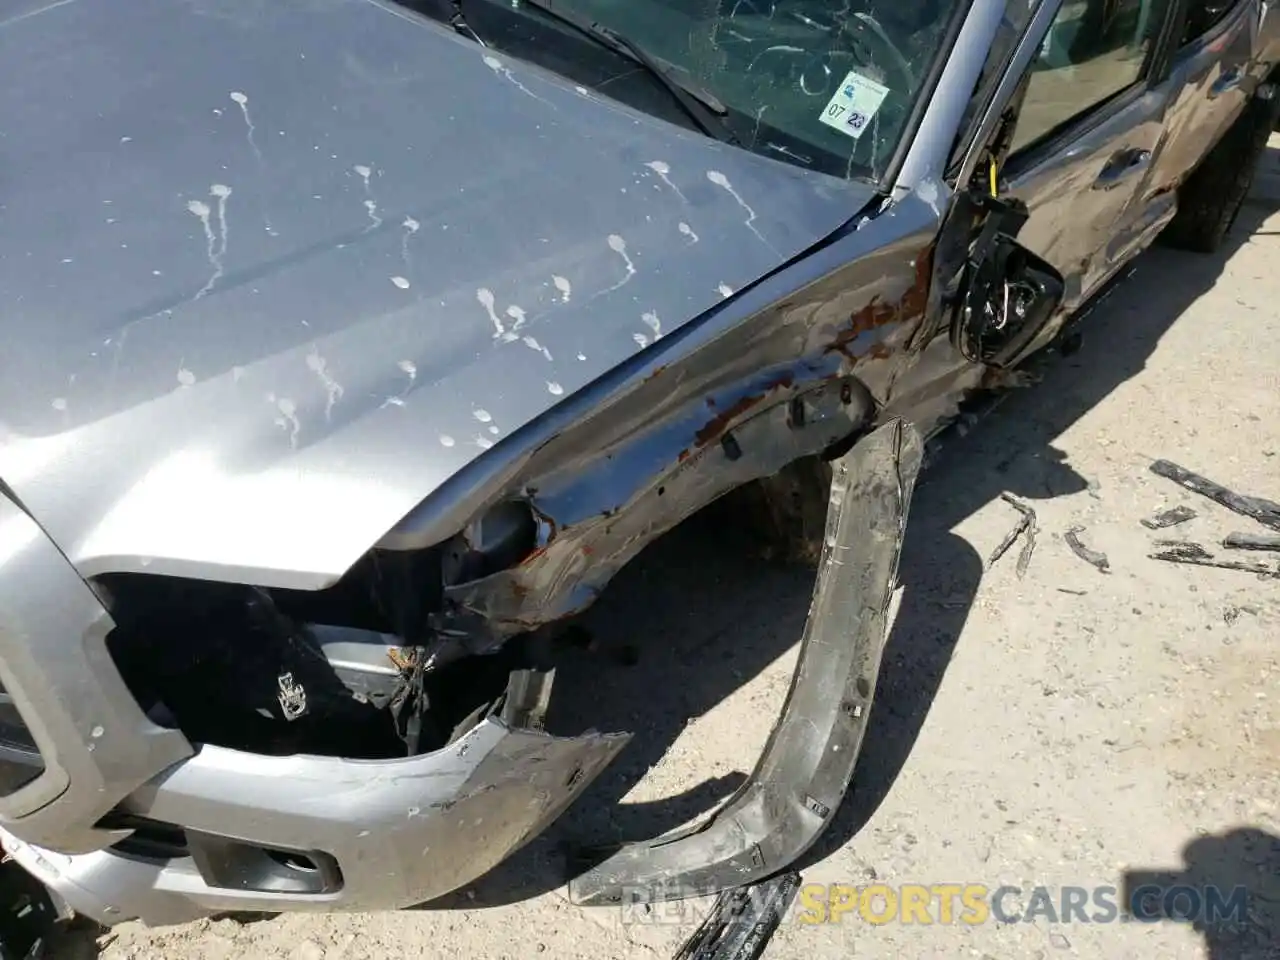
{"points": [[1072, 728]]}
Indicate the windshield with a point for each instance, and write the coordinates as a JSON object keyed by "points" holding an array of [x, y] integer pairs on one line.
{"points": [[827, 86]]}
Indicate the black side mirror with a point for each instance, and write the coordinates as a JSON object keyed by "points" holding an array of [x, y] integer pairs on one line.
{"points": [[1008, 294]]}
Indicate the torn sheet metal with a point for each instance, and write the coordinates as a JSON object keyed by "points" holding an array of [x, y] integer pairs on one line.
{"points": [[1094, 558], [1251, 541], [1185, 551], [742, 921], [1266, 512], [1026, 522], [807, 764], [1169, 518]]}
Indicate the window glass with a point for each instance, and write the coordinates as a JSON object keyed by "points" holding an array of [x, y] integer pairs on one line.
{"points": [[1203, 16], [827, 85], [1094, 50]]}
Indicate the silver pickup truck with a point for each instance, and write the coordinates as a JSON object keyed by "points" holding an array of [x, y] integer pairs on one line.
{"points": [[350, 347]]}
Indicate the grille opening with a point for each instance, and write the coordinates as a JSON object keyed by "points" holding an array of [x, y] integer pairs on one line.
{"points": [[293, 860], [150, 840], [238, 865]]}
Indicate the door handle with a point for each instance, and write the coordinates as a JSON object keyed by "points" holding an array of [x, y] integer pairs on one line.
{"points": [[1123, 163]]}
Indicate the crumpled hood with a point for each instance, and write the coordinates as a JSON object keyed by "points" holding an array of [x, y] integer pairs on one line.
{"points": [[271, 272]]}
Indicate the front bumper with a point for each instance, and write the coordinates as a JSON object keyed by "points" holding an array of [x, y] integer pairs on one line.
{"points": [[389, 834], [385, 833], [399, 832]]}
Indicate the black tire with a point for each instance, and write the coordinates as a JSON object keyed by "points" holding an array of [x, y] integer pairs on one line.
{"points": [[1210, 199]]}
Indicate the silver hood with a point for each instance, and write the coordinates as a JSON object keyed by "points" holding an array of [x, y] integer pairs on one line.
{"points": [[271, 272]]}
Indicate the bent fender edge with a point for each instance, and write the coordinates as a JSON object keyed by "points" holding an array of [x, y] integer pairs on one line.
{"points": [[808, 762]]}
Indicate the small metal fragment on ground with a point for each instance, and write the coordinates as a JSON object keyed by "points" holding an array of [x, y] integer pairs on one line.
{"points": [[1169, 518], [1074, 593], [1232, 614], [1098, 560], [1251, 541], [1184, 551], [1266, 512], [742, 921], [1026, 522]]}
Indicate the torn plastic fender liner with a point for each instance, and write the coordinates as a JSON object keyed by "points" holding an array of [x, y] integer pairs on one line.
{"points": [[808, 762]]}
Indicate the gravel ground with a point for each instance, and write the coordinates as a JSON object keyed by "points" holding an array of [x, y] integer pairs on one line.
{"points": [[1071, 728]]}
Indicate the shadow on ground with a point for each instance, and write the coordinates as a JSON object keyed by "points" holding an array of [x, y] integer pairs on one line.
{"points": [[701, 619], [83, 939], [1228, 889]]}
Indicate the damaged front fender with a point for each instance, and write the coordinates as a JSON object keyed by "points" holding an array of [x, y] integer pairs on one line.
{"points": [[808, 762]]}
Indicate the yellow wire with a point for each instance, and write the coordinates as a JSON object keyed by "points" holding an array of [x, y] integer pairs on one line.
{"points": [[993, 177]]}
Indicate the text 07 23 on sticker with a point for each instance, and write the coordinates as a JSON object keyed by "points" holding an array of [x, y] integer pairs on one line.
{"points": [[854, 104]]}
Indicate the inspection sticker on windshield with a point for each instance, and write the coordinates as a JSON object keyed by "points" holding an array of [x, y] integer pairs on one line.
{"points": [[854, 104]]}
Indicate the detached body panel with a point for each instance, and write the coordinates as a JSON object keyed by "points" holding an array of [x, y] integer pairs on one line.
{"points": [[808, 762]]}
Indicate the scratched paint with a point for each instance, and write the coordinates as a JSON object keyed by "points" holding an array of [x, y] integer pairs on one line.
{"points": [[215, 243], [333, 390], [410, 226], [365, 172], [502, 70], [619, 246], [929, 193], [242, 102], [721, 181], [563, 285], [486, 299], [533, 344], [287, 418], [663, 170]]}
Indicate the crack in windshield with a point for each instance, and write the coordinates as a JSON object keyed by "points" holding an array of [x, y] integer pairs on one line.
{"points": [[828, 87], [701, 107]]}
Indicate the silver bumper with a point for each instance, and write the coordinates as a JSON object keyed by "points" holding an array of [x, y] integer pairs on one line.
{"points": [[390, 833], [400, 832]]}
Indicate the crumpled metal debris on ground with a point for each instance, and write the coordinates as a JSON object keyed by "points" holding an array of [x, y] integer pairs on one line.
{"points": [[1169, 518], [742, 921], [1251, 541], [1186, 551], [1026, 523], [1093, 557], [1265, 512]]}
